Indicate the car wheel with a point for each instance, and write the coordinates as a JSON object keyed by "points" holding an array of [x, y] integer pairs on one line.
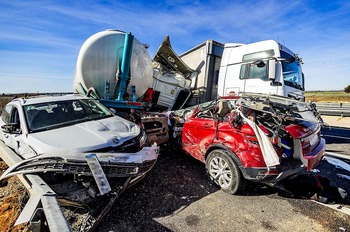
{"points": [[224, 171]]}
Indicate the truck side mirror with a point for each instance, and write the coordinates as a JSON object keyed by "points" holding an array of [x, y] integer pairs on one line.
{"points": [[259, 63], [272, 69]]}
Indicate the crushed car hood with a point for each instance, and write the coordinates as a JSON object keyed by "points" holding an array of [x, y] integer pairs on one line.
{"points": [[85, 136], [281, 106]]}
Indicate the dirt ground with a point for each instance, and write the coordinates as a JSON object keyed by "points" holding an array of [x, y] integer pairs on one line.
{"points": [[12, 199]]}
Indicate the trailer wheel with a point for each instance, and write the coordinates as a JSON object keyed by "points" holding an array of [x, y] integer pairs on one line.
{"points": [[224, 172]]}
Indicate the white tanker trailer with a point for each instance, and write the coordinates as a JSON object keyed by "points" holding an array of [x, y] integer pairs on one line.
{"points": [[117, 69]]}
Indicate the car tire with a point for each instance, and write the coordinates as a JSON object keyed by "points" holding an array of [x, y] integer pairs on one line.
{"points": [[223, 170]]}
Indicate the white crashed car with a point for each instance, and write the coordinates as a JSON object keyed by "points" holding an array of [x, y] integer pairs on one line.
{"points": [[75, 136]]}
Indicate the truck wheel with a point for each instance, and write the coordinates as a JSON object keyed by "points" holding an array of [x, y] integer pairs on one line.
{"points": [[224, 172]]}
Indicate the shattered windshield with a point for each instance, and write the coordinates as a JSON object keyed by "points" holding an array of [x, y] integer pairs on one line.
{"points": [[292, 73], [49, 115]]}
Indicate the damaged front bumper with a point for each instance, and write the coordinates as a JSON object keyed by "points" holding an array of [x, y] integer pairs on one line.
{"points": [[114, 165]]}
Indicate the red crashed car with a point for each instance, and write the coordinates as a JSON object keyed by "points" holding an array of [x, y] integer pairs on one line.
{"points": [[254, 137]]}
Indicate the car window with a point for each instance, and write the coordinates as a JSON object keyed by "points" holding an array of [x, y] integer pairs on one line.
{"points": [[14, 116], [6, 114], [207, 112], [51, 115]]}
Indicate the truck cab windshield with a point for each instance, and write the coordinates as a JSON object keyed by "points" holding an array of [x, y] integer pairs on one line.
{"points": [[292, 73]]}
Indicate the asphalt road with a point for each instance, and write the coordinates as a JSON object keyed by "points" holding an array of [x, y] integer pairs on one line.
{"points": [[337, 139], [177, 196]]}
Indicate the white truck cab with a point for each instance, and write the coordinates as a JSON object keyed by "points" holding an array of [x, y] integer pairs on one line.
{"points": [[263, 67]]}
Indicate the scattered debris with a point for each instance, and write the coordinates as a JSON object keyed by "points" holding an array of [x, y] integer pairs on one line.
{"points": [[315, 187]]}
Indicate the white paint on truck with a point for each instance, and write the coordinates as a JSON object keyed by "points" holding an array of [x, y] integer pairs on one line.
{"points": [[279, 74], [98, 62]]}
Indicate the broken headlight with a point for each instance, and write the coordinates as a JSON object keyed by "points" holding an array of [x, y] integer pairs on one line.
{"points": [[143, 138]]}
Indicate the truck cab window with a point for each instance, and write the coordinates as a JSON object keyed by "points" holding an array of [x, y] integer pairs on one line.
{"points": [[292, 73], [252, 71], [258, 55]]}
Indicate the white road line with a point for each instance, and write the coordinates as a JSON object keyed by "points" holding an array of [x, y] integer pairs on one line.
{"points": [[337, 155], [337, 207], [333, 136]]}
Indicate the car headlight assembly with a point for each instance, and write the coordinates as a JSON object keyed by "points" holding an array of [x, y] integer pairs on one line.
{"points": [[142, 138]]}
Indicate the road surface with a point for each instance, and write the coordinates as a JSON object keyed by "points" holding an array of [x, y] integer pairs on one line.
{"points": [[177, 196]]}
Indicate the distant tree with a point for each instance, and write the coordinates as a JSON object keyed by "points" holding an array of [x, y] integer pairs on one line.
{"points": [[347, 89]]}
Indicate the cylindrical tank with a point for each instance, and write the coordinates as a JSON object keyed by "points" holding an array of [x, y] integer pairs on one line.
{"points": [[98, 62]]}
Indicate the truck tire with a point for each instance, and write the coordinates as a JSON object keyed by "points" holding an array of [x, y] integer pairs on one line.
{"points": [[224, 172]]}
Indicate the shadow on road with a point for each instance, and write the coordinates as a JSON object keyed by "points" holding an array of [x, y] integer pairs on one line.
{"points": [[176, 181]]}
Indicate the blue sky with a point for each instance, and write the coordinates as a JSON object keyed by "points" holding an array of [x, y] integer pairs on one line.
{"points": [[40, 40]]}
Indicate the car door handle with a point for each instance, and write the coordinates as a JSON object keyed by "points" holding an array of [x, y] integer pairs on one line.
{"points": [[6, 136], [206, 125]]}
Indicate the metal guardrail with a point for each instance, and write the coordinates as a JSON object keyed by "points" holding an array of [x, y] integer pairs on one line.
{"points": [[334, 109], [42, 199]]}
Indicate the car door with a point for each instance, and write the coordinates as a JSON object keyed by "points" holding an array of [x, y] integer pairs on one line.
{"points": [[198, 134], [13, 139], [6, 119]]}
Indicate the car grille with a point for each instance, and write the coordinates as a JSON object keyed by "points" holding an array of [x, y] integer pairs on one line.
{"points": [[81, 168]]}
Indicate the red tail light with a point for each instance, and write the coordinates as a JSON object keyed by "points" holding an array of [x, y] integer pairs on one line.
{"points": [[305, 146], [309, 143]]}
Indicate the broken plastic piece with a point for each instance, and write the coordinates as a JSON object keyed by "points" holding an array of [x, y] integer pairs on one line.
{"points": [[99, 175]]}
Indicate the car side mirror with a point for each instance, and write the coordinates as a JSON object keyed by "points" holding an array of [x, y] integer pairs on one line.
{"points": [[272, 69], [11, 128]]}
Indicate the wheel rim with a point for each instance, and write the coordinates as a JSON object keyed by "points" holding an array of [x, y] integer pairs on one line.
{"points": [[220, 171]]}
